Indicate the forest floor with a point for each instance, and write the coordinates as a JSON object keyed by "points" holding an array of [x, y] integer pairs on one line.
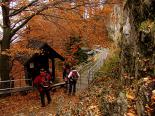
{"points": [[30, 105], [84, 103], [61, 105]]}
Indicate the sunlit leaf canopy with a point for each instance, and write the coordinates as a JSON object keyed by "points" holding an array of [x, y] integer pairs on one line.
{"points": [[22, 9], [84, 19], [56, 20], [84, 15]]}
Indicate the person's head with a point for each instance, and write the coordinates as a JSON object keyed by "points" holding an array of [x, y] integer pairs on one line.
{"points": [[42, 72], [73, 68]]}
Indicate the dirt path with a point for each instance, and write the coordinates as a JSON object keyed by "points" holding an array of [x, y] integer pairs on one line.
{"points": [[30, 105]]}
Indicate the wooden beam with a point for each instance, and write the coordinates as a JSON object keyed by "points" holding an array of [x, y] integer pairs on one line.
{"points": [[53, 69]]}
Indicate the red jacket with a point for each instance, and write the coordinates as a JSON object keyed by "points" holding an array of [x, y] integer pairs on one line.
{"points": [[40, 81]]}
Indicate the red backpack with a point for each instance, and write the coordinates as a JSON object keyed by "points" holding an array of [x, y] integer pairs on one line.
{"points": [[75, 75]]}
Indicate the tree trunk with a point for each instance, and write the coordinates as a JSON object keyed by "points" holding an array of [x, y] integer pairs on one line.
{"points": [[4, 72], [5, 44], [153, 58], [4, 61]]}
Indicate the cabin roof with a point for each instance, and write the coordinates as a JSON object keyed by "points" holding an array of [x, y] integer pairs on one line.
{"points": [[36, 44]]}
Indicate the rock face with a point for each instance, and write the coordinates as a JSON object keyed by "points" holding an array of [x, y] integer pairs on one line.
{"points": [[137, 55], [114, 23], [138, 38], [132, 27]]}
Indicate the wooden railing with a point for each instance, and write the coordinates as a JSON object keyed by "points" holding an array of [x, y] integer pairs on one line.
{"points": [[22, 88]]}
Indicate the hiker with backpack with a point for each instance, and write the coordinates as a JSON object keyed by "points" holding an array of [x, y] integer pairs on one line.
{"points": [[66, 70], [42, 82], [73, 77]]}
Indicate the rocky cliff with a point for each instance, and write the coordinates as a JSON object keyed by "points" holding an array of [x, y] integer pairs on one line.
{"points": [[137, 55], [132, 27]]}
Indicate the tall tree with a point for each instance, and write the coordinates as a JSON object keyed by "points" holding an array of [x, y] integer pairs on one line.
{"points": [[15, 15]]}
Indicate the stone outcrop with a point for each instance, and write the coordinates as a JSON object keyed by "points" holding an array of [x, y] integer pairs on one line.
{"points": [[138, 51], [132, 27]]}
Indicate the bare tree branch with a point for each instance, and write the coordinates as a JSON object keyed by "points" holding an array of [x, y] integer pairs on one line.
{"points": [[22, 8], [13, 39], [58, 17], [18, 22], [62, 28], [22, 24], [37, 12]]}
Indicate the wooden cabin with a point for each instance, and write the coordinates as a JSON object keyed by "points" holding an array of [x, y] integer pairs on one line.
{"points": [[33, 63]]}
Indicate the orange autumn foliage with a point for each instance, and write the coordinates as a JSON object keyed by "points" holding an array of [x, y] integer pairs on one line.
{"points": [[56, 31], [56, 25]]}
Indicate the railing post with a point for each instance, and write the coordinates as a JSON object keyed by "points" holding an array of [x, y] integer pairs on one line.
{"points": [[88, 76]]}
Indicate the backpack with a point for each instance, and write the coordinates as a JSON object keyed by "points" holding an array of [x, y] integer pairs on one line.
{"points": [[74, 76]]}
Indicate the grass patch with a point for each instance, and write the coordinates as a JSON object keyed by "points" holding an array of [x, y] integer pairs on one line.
{"points": [[111, 66]]}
